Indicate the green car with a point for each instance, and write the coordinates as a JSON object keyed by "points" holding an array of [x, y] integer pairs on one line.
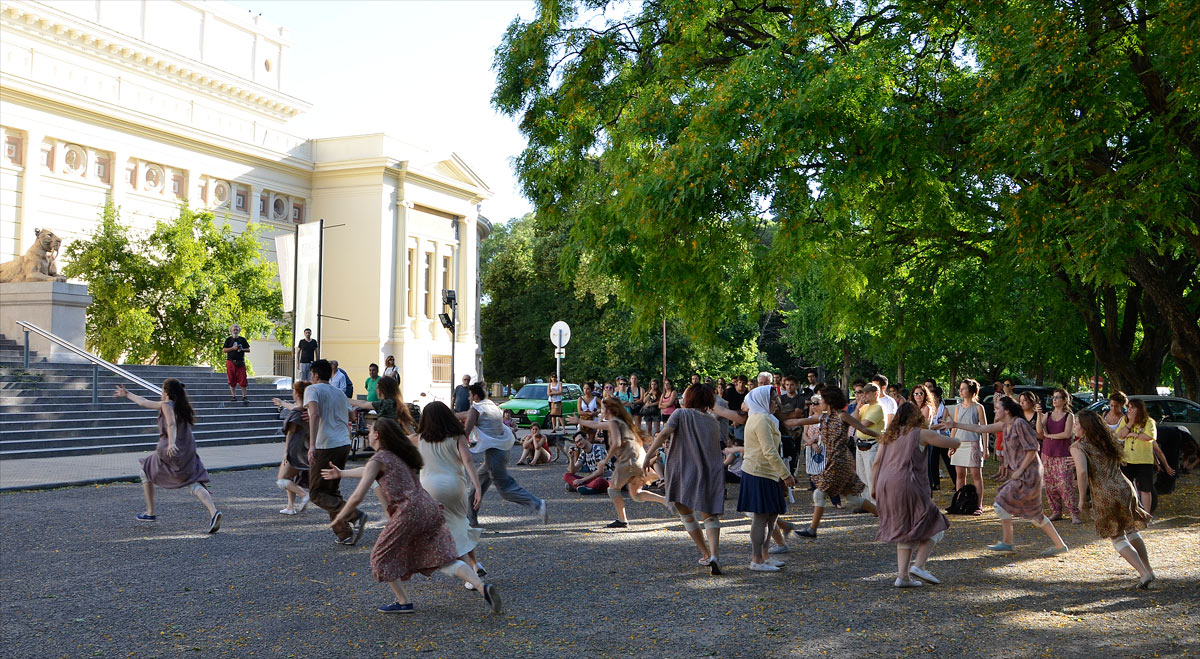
{"points": [[531, 405]]}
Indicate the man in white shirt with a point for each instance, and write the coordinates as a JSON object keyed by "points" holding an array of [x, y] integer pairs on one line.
{"points": [[494, 440], [888, 403], [329, 443]]}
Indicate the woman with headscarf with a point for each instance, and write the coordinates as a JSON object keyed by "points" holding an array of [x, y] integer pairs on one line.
{"points": [[765, 477]]}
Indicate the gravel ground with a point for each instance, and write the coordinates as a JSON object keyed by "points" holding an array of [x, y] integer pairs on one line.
{"points": [[80, 577]]}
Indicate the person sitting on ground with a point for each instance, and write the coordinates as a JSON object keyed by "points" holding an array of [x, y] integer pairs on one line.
{"points": [[587, 474], [536, 448], [509, 421]]}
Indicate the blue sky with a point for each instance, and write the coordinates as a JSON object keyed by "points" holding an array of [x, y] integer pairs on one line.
{"points": [[416, 69]]}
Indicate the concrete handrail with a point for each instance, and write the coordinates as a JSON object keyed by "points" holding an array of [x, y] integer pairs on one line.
{"points": [[80, 352]]}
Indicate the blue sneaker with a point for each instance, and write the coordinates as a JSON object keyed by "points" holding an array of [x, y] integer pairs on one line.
{"points": [[143, 517], [396, 607]]}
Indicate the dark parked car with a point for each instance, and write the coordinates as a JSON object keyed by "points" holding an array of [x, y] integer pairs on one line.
{"points": [[1043, 393]]}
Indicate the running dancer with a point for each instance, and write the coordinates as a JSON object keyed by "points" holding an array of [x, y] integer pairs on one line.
{"points": [[625, 448]]}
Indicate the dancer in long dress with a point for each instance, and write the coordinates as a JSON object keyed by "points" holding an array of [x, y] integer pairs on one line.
{"points": [[765, 477], [416, 539], [839, 477], [695, 471], [1058, 430], [907, 515], [1022, 494], [174, 463], [442, 442], [626, 450], [1114, 505]]}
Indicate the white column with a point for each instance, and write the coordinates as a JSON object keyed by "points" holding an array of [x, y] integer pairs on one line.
{"points": [[468, 294], [31, 194], [252, 203]]}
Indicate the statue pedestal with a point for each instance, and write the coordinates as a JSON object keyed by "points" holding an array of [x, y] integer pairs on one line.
{"points": [[55, 306]]}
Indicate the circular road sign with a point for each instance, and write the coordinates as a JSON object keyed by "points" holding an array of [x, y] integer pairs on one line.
{"points": [[560, 334]]}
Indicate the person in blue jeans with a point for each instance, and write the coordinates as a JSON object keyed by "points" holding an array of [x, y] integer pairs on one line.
{"points": [[494, 440]]}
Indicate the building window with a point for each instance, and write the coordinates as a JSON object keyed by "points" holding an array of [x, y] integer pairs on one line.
{"points": [[262, 205], [282, 363], [103, 166], [298, 213], [131, 175], [177, 186], [441, 368], [48, 156], [412, 282], [12, 149], [429, 284], [239, 200], [446, 266]]}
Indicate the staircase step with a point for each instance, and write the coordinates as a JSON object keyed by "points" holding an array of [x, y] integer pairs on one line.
{"points": [[89, 420], [139, 447]]}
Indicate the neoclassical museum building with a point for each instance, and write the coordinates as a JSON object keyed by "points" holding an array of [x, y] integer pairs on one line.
{"points": [[151, 103]]}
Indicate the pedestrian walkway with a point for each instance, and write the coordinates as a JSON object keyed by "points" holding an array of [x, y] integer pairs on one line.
{"points": [[46, 473]]}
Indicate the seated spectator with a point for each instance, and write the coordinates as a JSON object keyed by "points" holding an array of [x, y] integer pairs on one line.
{"points": [[587, 475], [510, 421], [536, 447]]}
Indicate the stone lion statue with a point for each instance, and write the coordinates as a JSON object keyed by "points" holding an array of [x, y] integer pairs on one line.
{"points": [[38, 264]]}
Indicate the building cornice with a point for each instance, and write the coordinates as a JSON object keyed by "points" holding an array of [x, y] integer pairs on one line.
{"points": [[98, 41]]}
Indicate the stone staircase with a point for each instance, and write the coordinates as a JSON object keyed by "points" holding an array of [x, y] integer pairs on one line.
{"points": [[47, 410]]}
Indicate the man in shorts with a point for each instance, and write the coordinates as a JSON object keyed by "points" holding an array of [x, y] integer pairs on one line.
{"points": [[235, 362]]}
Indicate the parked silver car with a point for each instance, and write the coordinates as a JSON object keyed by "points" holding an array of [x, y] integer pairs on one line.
{"points": [[1165, 410]]}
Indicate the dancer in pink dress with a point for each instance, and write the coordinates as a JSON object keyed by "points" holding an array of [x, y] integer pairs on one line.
{"points": [[907, 515], [416, 539]]}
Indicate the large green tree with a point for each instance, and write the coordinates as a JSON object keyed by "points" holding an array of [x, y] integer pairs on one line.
{"points": [[718, 146], [169, 297], [528, 283]]}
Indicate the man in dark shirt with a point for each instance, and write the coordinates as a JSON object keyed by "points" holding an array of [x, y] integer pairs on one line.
{"points": [[306, 354], [462, 395], [235, 362], [792, 404], [736, 394]]}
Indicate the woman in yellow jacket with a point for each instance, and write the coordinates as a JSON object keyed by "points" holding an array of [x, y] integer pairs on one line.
{"points": [[765, 477]]}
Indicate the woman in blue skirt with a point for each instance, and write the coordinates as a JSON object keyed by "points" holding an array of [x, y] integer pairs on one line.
{"points": [[765, 477]]}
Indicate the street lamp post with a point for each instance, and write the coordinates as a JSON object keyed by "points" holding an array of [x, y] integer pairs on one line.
{"points": [[449, 320]]}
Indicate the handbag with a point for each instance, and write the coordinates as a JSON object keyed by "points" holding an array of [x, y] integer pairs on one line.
{"points": [[814, 459]]}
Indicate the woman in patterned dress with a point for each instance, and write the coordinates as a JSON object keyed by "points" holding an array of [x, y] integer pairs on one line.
{"points": [[416, 539], [1115, 508], [839, 477], [1022, 494], [174, 463], [626, 449]]}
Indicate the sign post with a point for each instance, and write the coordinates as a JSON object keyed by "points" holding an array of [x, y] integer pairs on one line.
{"points": [[560, 334]]}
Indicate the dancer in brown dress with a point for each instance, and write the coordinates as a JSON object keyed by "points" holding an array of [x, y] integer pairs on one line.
{"points": [[626, 450], [695, 470], [1022, 494], [839, 477], [1115, 508], [907, 515], [174, 463], [416, 539]]}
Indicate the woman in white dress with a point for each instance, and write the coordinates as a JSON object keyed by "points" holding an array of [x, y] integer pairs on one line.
{"points": [[442, 441], [972, 451]]}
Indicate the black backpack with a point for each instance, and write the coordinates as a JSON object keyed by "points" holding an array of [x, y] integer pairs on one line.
{"points": [[965, 501]]}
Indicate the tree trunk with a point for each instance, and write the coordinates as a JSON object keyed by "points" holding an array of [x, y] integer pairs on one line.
{"points": [[1039, 377], [1165, 281], [845, 366], [952, 385], [900, 370], [1112, 331]]}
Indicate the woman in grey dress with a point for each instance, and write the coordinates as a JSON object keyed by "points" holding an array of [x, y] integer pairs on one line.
{"points": [[174, 463], [695, 470]]}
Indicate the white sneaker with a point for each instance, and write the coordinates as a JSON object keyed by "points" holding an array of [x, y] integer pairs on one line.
{"points": [[287, 511], [778, 549], [763, 567], [468, 585], [543, 514], [774, 562], [911, 583], [923, 574], [303, 504]]}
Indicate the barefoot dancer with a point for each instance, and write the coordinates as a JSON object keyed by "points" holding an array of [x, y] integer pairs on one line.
{"points": [[174, 463], [1115, 510], [624, 446], [416, 539], [1022, 494], [907, 514]]}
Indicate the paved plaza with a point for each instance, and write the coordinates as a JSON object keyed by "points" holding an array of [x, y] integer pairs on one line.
{"points": [[81, 577]]}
